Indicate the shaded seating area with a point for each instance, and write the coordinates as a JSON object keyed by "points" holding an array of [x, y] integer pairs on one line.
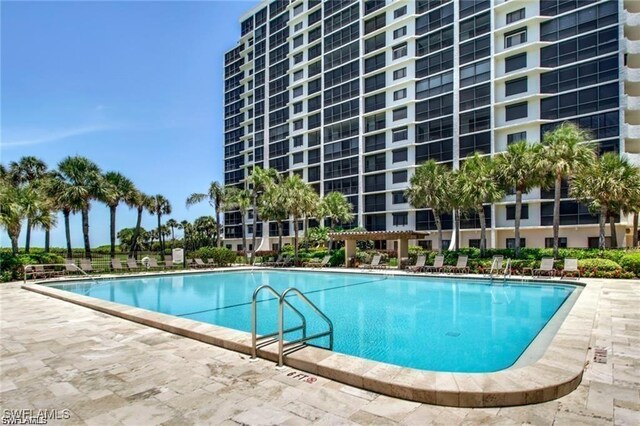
{"points": [[350, 239]]}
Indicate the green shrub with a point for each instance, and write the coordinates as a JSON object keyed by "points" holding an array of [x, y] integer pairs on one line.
{"points": [[600, 265], [631, 263], [12, 267], [221, 256], [337, 257]]}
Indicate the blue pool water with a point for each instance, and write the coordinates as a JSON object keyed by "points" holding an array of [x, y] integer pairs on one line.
{"points": [[428, 323]]}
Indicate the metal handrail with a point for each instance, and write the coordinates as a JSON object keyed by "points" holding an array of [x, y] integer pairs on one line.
{"points": [[254, 320], [317, 310], [507, 268], [30, 269]]}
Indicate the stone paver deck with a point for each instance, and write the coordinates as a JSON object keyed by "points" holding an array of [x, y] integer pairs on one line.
{"points": [[107, 370]]}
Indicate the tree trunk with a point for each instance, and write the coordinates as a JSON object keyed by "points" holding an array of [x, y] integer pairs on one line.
{"points": [[333, 227], [438, 221], [85, 232], [218, 228], [47, 239], [255, 225], [27, 243], [516, 225], [556, 214], [136, 233], [279, 236], [306, 232], [602, 220], [456, 230], [244, 239], [14, 243], [614, 235], [483, 231], [160, 233], [112, 217], [67, 232], [295, 241], [635, 229]]}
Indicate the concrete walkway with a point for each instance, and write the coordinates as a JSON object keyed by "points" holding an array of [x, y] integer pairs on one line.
{"points": [[58, 356]]}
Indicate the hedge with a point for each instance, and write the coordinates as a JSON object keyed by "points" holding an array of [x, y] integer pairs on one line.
{"points": [[221, 256], [631, 263]]}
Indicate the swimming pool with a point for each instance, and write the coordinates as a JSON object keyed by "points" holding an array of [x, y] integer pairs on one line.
{"points": [[429, 323]]}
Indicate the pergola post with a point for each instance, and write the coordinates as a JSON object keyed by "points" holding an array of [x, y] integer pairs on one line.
{"points": [[349, 251], [403, 250]]}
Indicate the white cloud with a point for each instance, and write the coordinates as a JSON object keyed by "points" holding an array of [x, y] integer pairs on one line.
{"points": [[52, 136]]}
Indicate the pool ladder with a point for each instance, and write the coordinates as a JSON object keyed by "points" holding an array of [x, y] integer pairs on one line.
{"points": [[278, 336], [496, 266]]}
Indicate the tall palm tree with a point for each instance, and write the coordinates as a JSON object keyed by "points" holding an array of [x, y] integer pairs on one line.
{"points": [[260, 179], [272, 208], [205, 226], [311, 205], [479, 186], [186, 233], [160, 207], [63, 199], [297, 195], [567, 153], [172, 224], [141, 202], [521, 167], [606, 185], [13, 199], [240, 199], [120, 189], [216, 194], [28, 170], [428, 189], [45, 219], [84, 183]]}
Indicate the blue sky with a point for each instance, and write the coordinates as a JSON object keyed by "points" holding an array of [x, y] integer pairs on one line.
{"points": [[135, 86]]}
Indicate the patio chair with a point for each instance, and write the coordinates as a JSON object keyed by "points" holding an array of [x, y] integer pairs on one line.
{"points": [[375, 262], [273, 262], [211, 263], [190, 264], [168, 261], [286, 262], [132, 264], [70, 267], [116, 265], [570, 267], [153, 263], [85, 265], [419, 266], [438, 264], [200, 263], [318, 264], [546, 267], [460, 266]]}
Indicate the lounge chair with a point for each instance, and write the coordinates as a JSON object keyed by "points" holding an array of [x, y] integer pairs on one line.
{"points": [[288, 261], [460, 266], [39, 271], [116, 265], [546, 267], [318, 264], [275, 262], [153, 263], [211, 263], [375, 262], [419, 266], [168, 261], [200, 263], [570, 267], [70, 267], [190, 264], [438, 264], [132, 264], [85, 265]]}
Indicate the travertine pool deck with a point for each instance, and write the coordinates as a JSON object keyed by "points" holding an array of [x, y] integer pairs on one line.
{"points": [[108, 370]]}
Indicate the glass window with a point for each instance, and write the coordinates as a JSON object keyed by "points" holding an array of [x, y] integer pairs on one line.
{"points": [[516, 86], [398, 74], [298, 157], [399, 94], [400, 219], [398, 197], [402, 31], [400, 155], [515, 62], [511, 243], [401, 134], [399, 176], [562, 242], [400, 51], [515, 38], [401, 11], [516, 137], [516, 16], [297, 141], [516, 111], [400, 113], [511, 212]]}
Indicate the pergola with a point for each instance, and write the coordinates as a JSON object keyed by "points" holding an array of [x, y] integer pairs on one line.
{"points": [[351, 237]]}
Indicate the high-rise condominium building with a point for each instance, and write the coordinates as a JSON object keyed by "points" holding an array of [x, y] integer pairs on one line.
{"points": [[354, 95]]}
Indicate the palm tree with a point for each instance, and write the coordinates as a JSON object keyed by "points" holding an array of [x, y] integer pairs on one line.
{"points": [[311, 205], [205, 226], [141, 202], [186, 232], [216, 195], [172, 224], [240, 199], [120, 189], [84, 183], [63, 199], [566, 153], [479, 186], [521, 167], [272, 208], [606, 185], [336, 207], [160, 206], [13, 199], [428, 189], [260, 179], [45, 219], [297, 196], [28, 170]]}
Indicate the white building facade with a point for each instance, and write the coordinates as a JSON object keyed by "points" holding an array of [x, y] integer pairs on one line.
{"points": [[354, 95]]}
